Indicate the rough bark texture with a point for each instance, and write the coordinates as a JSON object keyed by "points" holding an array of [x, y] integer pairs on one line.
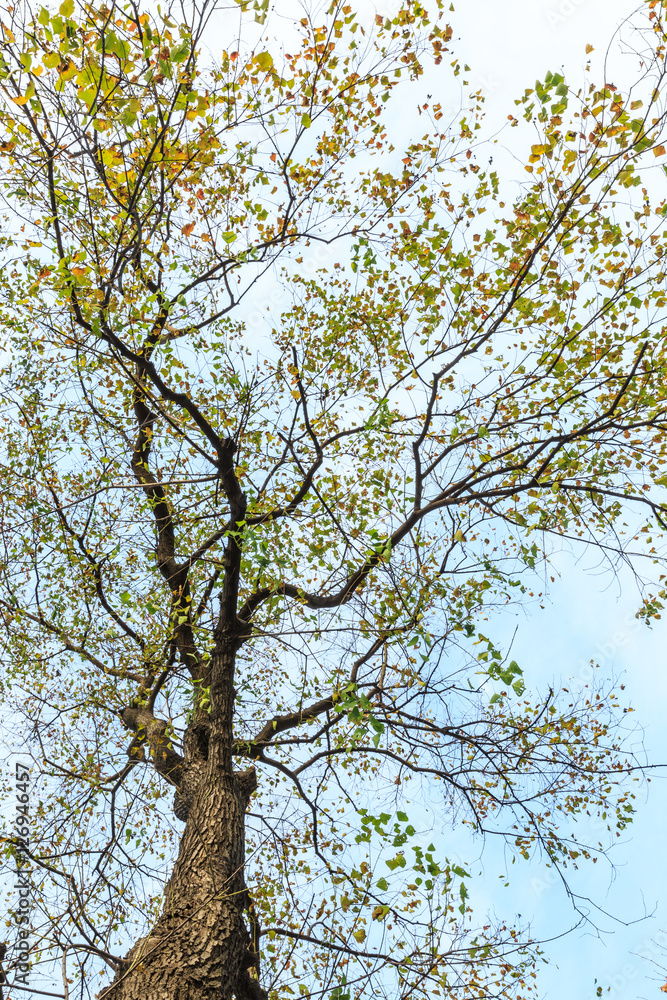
{"points": [[200, 947], [193, 770]]}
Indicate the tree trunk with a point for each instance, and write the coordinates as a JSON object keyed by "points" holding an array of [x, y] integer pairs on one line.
{"points": [[200, 947]]}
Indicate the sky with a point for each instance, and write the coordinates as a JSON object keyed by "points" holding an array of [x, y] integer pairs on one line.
{"points": [[590, 615]]}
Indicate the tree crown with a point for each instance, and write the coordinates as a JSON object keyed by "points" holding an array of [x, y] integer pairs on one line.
{"points": [[258, 514]]}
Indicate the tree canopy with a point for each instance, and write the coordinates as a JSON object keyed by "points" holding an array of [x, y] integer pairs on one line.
{"points": [[294, 404]]}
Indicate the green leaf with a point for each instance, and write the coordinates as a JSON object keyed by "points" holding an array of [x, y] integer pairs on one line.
{"points": [[181, 52], [265, 61], [394, 863]]}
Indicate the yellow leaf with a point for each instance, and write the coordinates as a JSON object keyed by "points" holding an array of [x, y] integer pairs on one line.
{"points": [[659, 151], [110, 157], [67, 8], [67, 70], [359, 935], [589, 48], [30, 92], [265, 61]]}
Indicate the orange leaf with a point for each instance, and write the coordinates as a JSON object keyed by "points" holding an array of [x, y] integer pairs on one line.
{"points": [[589, 48], [659, 151], [186, 230]]}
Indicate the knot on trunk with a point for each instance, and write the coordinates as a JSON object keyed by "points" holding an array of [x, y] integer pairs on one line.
{"points": [[248, 988], [247, 782], [155, 735]]}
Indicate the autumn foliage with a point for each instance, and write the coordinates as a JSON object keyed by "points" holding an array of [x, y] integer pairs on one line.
{"points": [[295, 403]]}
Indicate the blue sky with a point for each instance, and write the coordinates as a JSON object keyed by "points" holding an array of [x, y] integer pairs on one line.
{"points": [[590, 616]]}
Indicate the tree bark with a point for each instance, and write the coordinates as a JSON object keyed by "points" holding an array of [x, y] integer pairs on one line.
{"points": [[200, 947]]}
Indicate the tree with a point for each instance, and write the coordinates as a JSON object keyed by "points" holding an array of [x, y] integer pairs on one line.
{"points": [[250, 564]]}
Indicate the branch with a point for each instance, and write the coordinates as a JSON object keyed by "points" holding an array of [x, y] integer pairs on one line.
{"points": [[281, 723], [73, 647], [143, 723]]}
